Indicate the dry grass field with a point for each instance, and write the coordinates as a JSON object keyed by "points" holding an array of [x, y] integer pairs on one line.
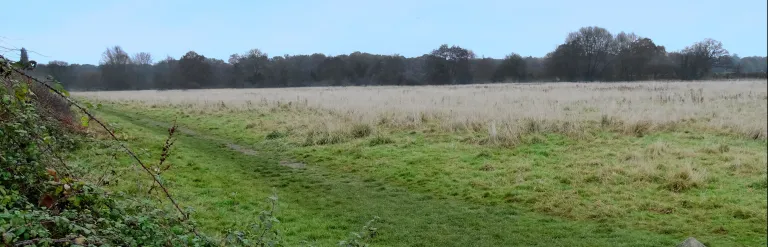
{"points": [[582, 164], [736, 106]]}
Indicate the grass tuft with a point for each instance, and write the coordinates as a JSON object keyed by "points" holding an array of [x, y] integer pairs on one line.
{"points": [[274, 135], [723, 148], [686, 177], [380, 140], [639, 128], [657, 149], [361, 130], [756, 133], [325, 137], [487, 167], [530, 126]]}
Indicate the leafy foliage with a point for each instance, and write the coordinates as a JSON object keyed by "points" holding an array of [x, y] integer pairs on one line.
{"points": [[263, 233], [359, 239]]}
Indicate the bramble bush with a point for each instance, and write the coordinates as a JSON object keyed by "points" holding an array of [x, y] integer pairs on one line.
{"points": [[42, 203]]}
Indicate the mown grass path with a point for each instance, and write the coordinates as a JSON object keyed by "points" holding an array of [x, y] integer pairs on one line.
{"points": [[227, 187]]}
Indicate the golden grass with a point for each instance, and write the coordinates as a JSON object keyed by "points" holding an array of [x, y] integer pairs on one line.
{"points": [[503, 110]]}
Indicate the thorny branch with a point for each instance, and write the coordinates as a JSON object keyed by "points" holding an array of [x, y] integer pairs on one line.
{"points": [[164, 154]]}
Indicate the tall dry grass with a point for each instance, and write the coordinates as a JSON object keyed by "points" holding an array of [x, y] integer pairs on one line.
{"points": [[635, 108]]}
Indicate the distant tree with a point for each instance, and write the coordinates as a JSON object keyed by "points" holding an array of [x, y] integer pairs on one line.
{"points": [[449, 65], [83, 77], [358, 64], [279, 72], [24, 58], [594, 46], [221, 72], [332, 70], [115, 55], [563, 63], [634, 56], [623, 57], [416, 70], [735, 64], [511, 68], [661, 65], [300, 69], [484, 69], [388, 70], [535, 68], [142, 58], [754, 64], [116, 69], [313, 64], [697, 60], [194, 71], [250, 69], [590, 53], [166, 74], [60, 71], [91, 80], [141, 66], [642, 53]]}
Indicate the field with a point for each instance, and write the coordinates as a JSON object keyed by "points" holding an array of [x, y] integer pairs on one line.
{"points": [[577, 164]]}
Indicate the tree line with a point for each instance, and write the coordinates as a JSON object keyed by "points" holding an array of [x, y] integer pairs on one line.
{"points": [[589, 54]]}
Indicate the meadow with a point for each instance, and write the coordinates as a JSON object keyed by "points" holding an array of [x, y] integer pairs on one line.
{"points": [[580, 164]]}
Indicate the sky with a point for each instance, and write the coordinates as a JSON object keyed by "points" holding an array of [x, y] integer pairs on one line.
{"points": [[78, 31]]}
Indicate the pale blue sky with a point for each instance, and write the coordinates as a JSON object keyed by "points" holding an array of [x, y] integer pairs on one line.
{"points": [[78, 31]]}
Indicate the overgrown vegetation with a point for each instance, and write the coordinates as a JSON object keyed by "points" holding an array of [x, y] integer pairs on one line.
{"points": [[44, 201]]}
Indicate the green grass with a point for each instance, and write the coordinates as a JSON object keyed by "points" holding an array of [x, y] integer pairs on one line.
{"points": [[437, 188]]}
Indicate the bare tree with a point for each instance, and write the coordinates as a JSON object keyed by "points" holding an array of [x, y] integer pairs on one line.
{"points": [[116, 69], [697, 60], [115, 56], [596, 45], [234, 58], [142, 58], [624, 41]]}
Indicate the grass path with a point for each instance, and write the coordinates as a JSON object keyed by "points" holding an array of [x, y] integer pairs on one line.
{"points": [[227, 188]]}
